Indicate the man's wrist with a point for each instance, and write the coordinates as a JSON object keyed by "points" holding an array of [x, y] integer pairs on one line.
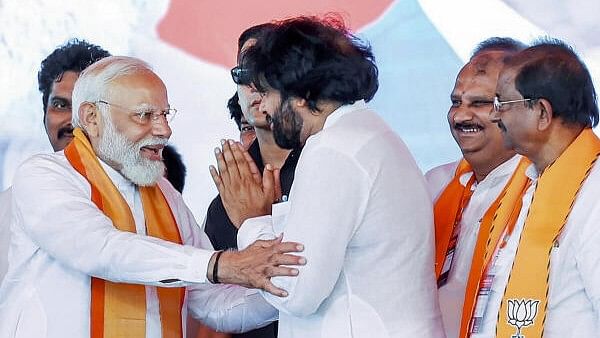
{"points": [[211, 267]]}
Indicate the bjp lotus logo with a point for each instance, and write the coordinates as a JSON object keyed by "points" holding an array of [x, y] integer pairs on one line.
{"points": [[521, 313]]}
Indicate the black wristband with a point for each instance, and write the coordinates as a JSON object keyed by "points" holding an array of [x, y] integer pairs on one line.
{"points": [[216, 268]]}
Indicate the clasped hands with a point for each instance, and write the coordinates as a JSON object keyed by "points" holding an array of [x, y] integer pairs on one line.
{"points": [[246, 194]]}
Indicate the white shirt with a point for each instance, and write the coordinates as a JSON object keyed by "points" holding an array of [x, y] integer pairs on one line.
{"points": [[60, 239], [484, 194], [4, 231], [574, 295], [360, 207]]}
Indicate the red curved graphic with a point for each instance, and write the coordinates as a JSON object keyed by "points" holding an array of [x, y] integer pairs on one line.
{"points": [[209, 29]]}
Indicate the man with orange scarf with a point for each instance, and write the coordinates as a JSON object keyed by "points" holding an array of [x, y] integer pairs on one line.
{"points": [[466, 190], [546, 279], [104, 246]]}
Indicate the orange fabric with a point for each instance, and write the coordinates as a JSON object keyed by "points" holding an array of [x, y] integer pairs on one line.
{"points": [[527, 290], [118, 309], [447, 212], [501, 214]]}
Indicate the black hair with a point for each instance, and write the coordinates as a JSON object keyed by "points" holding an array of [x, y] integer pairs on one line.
{"points": [[235, 110], [253, 32], [551, 70], [504, 44], [176, 170], [74, 56], [314, 59]]}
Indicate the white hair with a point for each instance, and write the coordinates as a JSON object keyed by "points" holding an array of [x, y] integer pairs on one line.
{"points": [[94, 82]]}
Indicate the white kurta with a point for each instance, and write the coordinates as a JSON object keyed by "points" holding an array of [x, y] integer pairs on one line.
{"points": [[574, 295], [60, 239], [484, 194], [360, 207], [4, 231]]}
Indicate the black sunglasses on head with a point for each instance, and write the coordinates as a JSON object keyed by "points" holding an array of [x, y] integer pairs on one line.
{"points": [[240, 75]]}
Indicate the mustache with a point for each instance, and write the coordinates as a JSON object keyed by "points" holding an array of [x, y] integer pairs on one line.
{"points": [[65, 130], [467, 125], [152, 141]]}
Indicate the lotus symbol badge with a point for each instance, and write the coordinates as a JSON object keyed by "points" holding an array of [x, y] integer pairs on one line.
{"points": [[521, 313]]}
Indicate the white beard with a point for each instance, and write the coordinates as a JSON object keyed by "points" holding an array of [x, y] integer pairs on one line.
{"points": [[115, 148]]}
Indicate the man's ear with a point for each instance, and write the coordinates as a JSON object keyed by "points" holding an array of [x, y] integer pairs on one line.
{"points": [[299, 102], [89, 119], [546, 114]]}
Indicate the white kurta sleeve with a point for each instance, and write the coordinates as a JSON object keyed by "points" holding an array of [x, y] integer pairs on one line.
{"points": [[254, 229], [328, 199], [52, 204], [230, 308]]}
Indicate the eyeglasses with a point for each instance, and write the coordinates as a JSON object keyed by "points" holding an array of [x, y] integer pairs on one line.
{"points": [[240, 76], [498, 104], [146, 115]]}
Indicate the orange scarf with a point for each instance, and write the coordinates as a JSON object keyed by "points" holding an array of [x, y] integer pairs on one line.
{"points": [[523, 308], [499, 217], [448, 211], [118, 309]]}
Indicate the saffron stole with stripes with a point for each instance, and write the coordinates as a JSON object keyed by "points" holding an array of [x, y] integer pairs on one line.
{"points": [[554, 197]]}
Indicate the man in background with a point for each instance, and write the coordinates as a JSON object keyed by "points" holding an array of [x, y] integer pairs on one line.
{"points": [[549, 266], [247, 132], [465, 190], [56, 78]]}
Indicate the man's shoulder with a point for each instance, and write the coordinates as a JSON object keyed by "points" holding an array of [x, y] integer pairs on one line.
{"points": [[444, 170], [45, 162], [438, 178]]}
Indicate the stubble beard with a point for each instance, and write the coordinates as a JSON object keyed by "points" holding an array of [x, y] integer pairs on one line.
{"points": [[287, 126]]}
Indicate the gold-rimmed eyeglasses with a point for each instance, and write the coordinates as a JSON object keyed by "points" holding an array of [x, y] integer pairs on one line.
{"points": [[147, 114]]}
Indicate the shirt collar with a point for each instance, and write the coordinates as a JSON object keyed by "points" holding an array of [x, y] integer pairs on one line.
{"points": [[343, 110], [118, 180], [495, 176]]}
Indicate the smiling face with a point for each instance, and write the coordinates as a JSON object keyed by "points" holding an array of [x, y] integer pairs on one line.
{"points": [[469, 116], [57, 119], [127, 144]]}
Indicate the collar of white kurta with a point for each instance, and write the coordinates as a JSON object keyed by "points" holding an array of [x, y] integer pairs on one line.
{"points": [[343, 110]]}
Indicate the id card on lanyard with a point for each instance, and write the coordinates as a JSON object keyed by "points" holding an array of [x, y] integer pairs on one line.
{"points": [[450, 252], [485, 285]]}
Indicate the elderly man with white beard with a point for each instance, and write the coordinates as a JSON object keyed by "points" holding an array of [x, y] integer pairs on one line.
{"points": [[104, 246]]}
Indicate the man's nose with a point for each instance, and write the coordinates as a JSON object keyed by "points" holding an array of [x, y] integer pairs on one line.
{"points": [[459, 115], [494, 116], [161, 128]]}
